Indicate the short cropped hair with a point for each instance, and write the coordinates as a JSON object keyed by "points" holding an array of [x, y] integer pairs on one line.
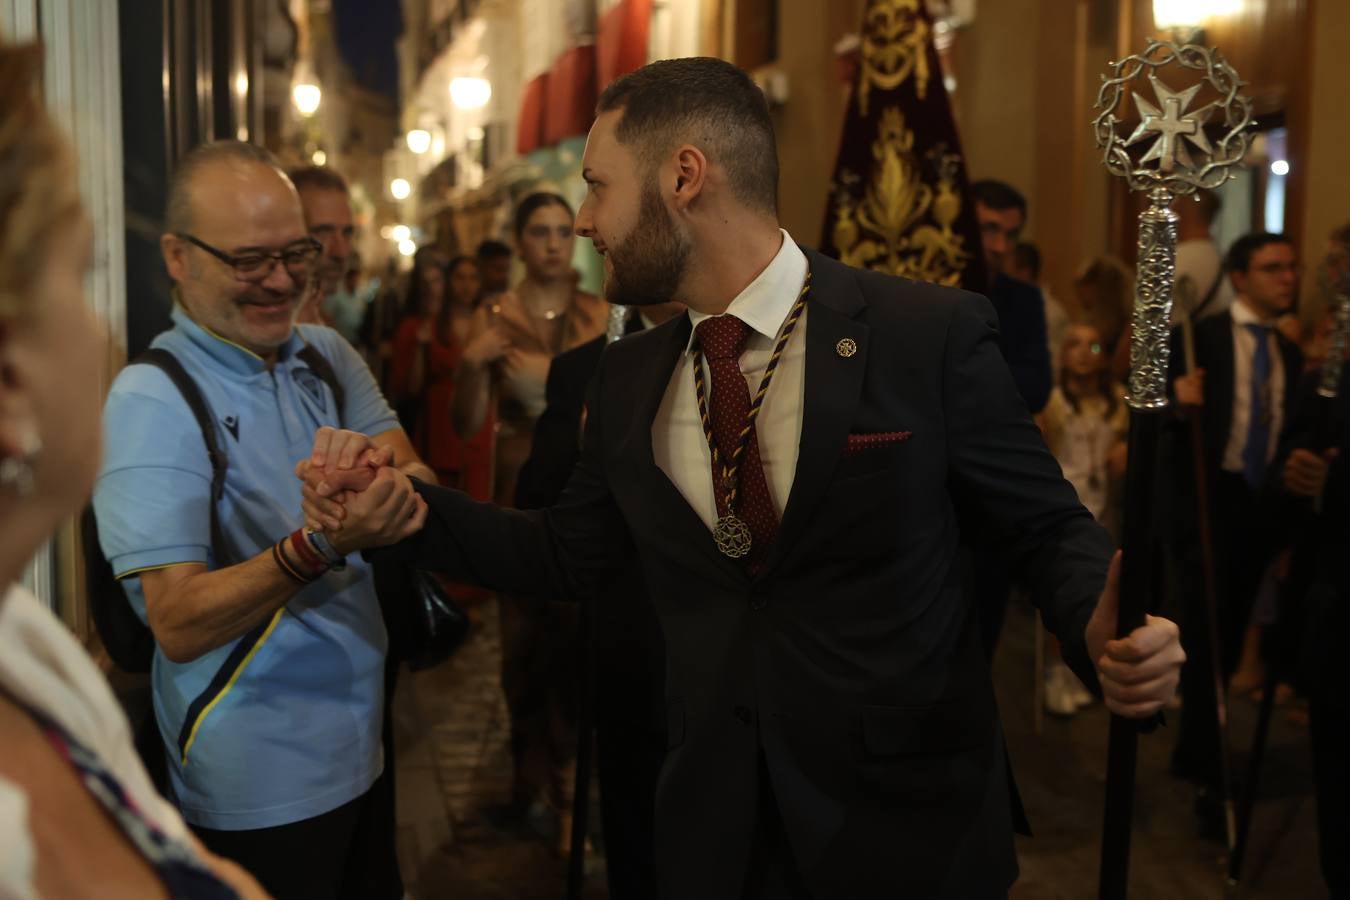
{"points": [[318, 178], [490, 249], [178, 212], [1239, 257], [998, 195], [709, 103]]}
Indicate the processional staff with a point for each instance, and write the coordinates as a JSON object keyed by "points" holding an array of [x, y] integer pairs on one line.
{"points": [[1296, 585], [1168, 154]]}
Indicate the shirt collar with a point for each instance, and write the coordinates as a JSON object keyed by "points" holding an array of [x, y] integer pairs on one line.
{"points": [[226, 352], [767, 300], [1245, 315]]}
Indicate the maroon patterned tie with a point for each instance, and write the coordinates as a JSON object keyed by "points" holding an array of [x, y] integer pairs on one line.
{"points": [[721, 339]]}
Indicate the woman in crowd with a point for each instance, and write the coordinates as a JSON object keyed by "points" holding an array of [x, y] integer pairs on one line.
{"points": [[427, 352], [512, 341], [78, 814], [1085, 424]]}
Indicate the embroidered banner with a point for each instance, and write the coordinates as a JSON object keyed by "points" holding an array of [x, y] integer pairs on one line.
{"points": [[900, 201]]}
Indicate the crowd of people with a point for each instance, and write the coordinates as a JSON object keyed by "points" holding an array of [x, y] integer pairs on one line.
{"points": [[338, 405], [1248, 446]]}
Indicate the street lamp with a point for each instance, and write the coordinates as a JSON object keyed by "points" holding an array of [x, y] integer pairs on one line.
{"points": [[400, 188], [470, 93], [306, 97], [419, 141]]}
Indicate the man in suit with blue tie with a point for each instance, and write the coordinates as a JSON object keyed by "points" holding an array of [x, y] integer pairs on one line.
{"points": [[1243, 387], [786, 462]]}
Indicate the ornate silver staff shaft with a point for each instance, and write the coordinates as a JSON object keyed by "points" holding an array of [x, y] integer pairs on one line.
{"points": [[1150, 324], [1329, 386], [1179, 159], [618, 318]]}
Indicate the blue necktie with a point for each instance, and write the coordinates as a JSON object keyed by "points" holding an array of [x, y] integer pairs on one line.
{"points": [[1258, 421]]}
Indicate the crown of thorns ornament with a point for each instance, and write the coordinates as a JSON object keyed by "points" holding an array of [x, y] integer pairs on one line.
{"points": [[1158, 153]]}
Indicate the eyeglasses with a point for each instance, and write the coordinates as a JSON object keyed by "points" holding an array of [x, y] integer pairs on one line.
{"points": [[1277, 268], [255, 265]]}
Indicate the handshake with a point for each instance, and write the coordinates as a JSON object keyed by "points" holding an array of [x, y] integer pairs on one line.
{"points": [[354, 495]]}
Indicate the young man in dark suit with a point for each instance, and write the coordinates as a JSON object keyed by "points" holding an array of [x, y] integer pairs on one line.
{"points": [[1313, 474], [1243, 388], [831, 725], [1019, 309]]}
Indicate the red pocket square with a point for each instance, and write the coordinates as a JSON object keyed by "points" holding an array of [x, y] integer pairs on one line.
{"points": [[859, 442]]}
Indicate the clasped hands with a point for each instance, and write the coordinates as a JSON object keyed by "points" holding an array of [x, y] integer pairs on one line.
{"points": [[353, 493]]}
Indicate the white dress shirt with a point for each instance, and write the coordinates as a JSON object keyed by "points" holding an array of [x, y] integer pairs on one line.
{"points": [[1244, 348], [679, 445]]}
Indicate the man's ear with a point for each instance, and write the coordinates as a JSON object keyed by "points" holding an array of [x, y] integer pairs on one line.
{"points": [[174, 251], [691, 175], [18, 424]]}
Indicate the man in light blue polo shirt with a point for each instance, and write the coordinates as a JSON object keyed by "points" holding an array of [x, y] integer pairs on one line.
{"points": [[268, 672]]}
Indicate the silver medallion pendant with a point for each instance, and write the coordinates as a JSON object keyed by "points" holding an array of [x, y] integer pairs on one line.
{"points": [[732, 536]]}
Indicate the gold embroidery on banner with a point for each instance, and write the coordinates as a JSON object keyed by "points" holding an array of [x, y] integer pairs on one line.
{"points": [[894, 46], [883, 231]]}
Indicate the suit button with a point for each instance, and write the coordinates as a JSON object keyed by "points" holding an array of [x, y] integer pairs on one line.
{"points": [[758, 602], [743, 714]]}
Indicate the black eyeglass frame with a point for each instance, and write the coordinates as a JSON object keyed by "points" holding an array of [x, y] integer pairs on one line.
{"points": [[313, 248]]}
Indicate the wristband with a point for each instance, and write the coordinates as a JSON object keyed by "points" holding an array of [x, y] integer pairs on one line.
{"points": [[285, 565], [324, 547], [306, 555]]}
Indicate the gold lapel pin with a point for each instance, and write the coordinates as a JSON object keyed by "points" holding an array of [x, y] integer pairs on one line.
{"points": [[846, 347]]}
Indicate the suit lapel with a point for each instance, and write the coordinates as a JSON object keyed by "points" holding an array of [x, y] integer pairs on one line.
{"points": [[833, 387], [662, 500]]}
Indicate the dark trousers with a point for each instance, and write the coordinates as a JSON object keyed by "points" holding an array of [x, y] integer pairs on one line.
{"points": [[628, 760], [345, 854], [1329, 729], [1244, 545]]}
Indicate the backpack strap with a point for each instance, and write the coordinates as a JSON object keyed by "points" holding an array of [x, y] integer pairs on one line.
{"points": [[1210, 294], [168, 363], [320, 366]]}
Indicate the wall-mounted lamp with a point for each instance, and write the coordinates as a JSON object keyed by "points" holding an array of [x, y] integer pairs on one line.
{"points": [[470, 93], [306, 98], [419, 140]]}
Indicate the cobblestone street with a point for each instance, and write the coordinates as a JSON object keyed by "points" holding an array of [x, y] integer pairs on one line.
{"points": [[454, 779], [454, 772]]}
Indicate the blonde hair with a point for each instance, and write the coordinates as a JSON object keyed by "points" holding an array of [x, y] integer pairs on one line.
{"points": [[39, 185]]}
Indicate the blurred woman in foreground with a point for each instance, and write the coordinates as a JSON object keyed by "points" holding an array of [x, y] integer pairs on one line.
{"points": [[78, 814]]}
